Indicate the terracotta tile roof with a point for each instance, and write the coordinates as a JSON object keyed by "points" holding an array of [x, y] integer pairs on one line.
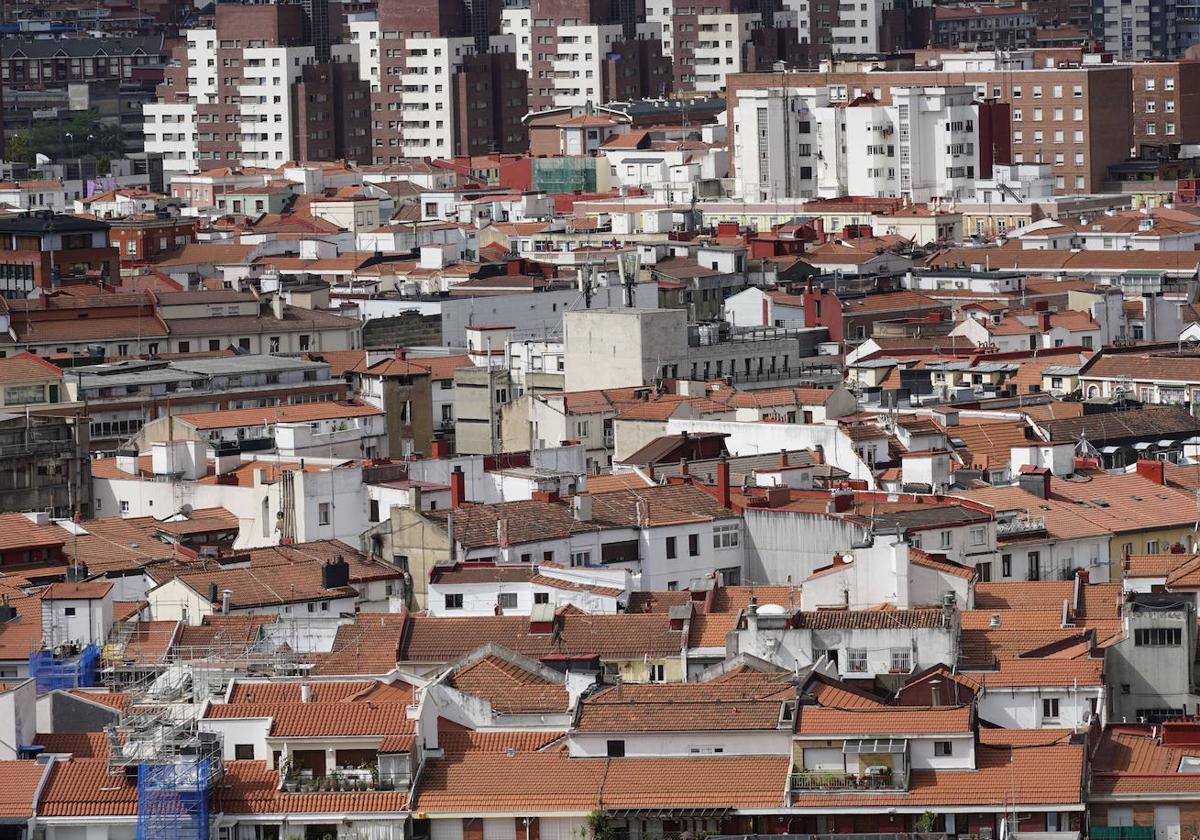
{"points": [[1186, 575], [78, 744], [252, 692], [84, 591], [834, 694], [742, 700], [150, 641], [510, 688], [709, 629], [899, 301], [251, 787], [869, 619], [1062, 518], [1131, 502], [781, 396], [1182, 476], [298, 413], [83, 787], [230, 634], [18, 532], [316, 720], [620, 636], [1130, 760], [368, 646], [21, 780], [616, 481], [1019, 767], [988, 445], [939, 563], [895, 721], [120, 700], [1016, 671], [550, 781], [1154, 565], [26, 367], [1151, 423], [532, 520], [1050, 260]]}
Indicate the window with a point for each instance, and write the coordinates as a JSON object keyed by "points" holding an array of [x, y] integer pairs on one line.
{"points": [[943, 748], [454, 601], [978, 536], [541, 597], [1049, 708], [856, 660], [507, 600], [705, 750], [1152, 546], [1035, 565], [243, 752], [945, 539], [1158, 637], [726, 536], [693, 545], [672, 586], [901, 660], [984, 571], [671, 551], [124, 506], [616, 749], [68, 611], [656, 672], [581, 558], [323, 513], [373, 510]]}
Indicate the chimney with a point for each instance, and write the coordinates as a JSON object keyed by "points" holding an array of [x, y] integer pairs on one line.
{"points": [[723, 481], [582, 505], [935, 692], [305, 693], [458, 488], [335, 574], [1084, 576], [683, 466], [783, 458], [439, 449], [843, 500], [1152, 470], [1043, 321], [818, 454], [226, 595], [1035, 480], [212, 593]]}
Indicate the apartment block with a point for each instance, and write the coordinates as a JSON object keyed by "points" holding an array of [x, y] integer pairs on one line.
{"points": [[827, 27], [1136, 30], [983, 27], [450, 87], [1074, 119], [257, 101], [1166, 102]]}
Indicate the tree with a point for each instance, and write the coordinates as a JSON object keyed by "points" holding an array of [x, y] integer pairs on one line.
{"points": [[84, 133]]}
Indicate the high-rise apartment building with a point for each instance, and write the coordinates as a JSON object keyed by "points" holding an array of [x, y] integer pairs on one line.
{"points": [[1136, 29], [449, 83], [926, 144], [1166, 102], [252, 91], [1076, 119], [870, 27]]}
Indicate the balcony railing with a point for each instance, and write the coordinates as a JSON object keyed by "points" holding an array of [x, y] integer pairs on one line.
{"points": [[344, 780], [819, 781], [1020, 526]]}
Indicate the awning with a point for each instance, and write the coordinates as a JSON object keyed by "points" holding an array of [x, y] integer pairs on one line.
{"points": [[669, 813], [874, 745], [1166, 443], [1143, 445], [1108, 450]]}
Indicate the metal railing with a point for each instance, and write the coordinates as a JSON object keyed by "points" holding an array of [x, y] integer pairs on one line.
{"points": [[1020, 525], [818, 781]]}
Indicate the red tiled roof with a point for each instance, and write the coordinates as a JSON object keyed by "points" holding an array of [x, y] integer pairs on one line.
{"points": [[297, 413], [83, 787], [251, 787], [84, 591], [896, 721], [509, 687], [21, 779]]}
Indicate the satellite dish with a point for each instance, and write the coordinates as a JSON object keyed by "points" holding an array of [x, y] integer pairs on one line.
{"points": [[186, 510]]}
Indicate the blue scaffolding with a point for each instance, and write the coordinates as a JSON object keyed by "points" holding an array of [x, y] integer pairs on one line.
{"points": [[173, 799], [50, 671]]}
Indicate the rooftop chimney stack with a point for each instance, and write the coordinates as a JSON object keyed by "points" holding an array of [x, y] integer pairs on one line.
{"points": [[458, 488], [723, 482]]}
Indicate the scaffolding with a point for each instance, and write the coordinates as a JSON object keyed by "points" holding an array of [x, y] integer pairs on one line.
{"points": [[61, 669], [173, 800]]}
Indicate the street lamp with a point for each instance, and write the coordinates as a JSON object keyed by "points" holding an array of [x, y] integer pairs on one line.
{"points": [[71, 138]]}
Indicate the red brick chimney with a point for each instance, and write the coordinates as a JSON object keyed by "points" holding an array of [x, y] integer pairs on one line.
{"points": [[723, 482], [439, 449], [458, 488], [1152, 470]]}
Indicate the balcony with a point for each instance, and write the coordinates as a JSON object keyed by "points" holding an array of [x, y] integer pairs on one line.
{"points": [[349, 779], [1019, 526], [819, 781]]}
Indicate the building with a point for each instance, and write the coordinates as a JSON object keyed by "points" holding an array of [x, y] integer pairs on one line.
{"points": [[43, 251], [1147, 31], [449, 83], [928, 143], [279, 106], [1081, 114], [986, 27]]}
